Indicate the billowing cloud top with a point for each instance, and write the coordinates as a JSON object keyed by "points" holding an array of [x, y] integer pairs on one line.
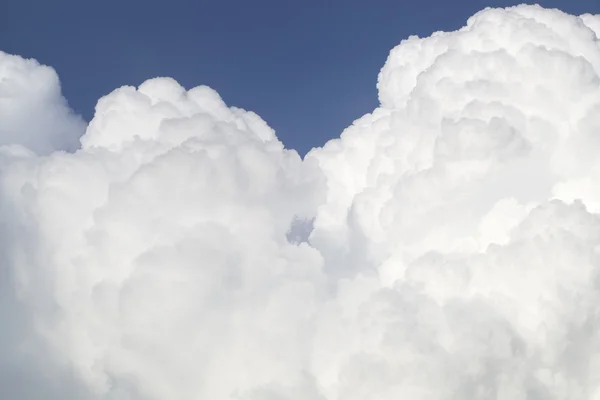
{"points": [[446, 246], [32, 111]]}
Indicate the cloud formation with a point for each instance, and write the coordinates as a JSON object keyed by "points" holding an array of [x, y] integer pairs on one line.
{"points": [[32, 110], [446, 246]]}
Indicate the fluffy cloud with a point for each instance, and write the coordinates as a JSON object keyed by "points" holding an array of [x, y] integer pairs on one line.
{"points": [[32, 110], [446, 246]]}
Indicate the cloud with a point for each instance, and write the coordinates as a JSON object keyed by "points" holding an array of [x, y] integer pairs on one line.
{"points": [[32, 110], [444, 247]]}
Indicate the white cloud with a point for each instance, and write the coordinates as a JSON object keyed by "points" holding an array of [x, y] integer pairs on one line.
{"points": [[445, 247], [32, 111]]}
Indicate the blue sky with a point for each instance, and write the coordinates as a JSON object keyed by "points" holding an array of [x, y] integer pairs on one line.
{"points": [[309, 68]]}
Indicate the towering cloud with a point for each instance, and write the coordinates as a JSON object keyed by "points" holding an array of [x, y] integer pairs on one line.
{"points": [[446, 246]]}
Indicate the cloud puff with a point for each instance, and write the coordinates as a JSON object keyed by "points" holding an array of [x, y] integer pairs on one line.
{"points": [[32, 110], [444, 247]]}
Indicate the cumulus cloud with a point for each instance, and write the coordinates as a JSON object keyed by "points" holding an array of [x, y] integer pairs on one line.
{"points": [[33, 112], [446, 246]]}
